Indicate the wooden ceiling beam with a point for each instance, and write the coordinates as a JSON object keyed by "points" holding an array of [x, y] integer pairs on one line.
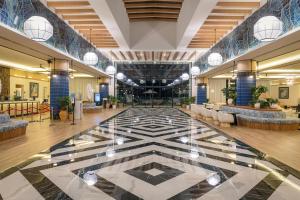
{"points": [[239, 4], [74, 11], [81, 17], [89, 22], [153, 10], [219, 17], [232, 11], [160, 1], [62, 4], [153, 5]]}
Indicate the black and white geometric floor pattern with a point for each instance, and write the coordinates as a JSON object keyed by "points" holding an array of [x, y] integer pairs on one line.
{"points": [[152, 153]]}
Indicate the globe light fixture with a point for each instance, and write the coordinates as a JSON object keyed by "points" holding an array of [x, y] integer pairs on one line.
{"points": [[195, 71], [142, 82], [268, 28], [120, 141], [129, 81], [185, 76], [164, 81], [38, 28], [215, 59], [90, 58], [184, 139], [120, 76], [176, 81], [110, 70]]}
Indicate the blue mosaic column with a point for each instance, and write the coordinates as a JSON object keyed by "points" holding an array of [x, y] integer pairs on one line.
{"points": [[59, 85], [202, 93], [104, 91], [246, 80]]}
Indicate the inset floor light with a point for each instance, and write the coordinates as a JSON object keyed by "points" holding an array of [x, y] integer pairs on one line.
{"points": [[38, 28], [268, 28], [111, 70], [90, 178]]}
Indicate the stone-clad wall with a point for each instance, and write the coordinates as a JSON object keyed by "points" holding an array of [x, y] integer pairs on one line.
{"points": [[4, 77]]}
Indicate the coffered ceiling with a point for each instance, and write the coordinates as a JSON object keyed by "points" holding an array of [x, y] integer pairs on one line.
{"points": [[225, 16], [157, 10], [82, 17]]}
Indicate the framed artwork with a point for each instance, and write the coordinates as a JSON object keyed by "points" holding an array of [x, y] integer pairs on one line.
{"points": [[283, 93], [33, 89]]}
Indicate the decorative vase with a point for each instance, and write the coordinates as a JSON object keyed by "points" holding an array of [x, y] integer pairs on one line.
{"points": [[274, 105], [257, 105], [230, 101], [63, 115]]}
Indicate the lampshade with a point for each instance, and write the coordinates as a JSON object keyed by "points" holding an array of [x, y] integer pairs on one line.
{"points": [[111, 70], [195, 71], [38, 28], [164, 81], [268, 28], [215, 59], [185, 76], [120, 76], [90, 58]]}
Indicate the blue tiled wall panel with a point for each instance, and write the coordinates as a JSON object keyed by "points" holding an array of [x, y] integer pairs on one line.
{"points": [[59, 87], [244, 85], [103, 91], [201, 94]]}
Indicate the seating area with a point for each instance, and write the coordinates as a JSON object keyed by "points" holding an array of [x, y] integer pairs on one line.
{"points": [[11, 128], [91, 108], [211, 115], [268, 119]]}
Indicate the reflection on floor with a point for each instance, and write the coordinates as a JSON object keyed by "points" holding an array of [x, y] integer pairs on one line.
{"points": [[150, 154]]}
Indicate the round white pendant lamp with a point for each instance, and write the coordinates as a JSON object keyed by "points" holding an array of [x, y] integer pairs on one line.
{"points": [[164, 81], [142, 81], [120, 76], [268, 28], [195, 71], [90, 178], [213, 179], [38, 28], [129, 81], [111, 70], [185, 76], [90, 58], [215, 59]]}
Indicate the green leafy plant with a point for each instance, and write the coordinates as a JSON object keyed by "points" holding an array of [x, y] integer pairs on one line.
{"points": [[64, 102], [272, 101], [192, 100], [229, 93], [256, 92], [114, 100]]}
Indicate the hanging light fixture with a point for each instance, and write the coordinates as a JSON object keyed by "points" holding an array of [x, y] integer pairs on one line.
{"points": [[111, 70], [142, 81], [195, 70], [120, 76], [215, 59], [268, 28], [90, 58], [164, 81], [38, 28], [185, 76]]}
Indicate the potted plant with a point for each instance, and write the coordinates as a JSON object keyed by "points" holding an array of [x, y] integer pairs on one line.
{"points": [[256, 93], [183, 102], [273, 103], [230, 94], [64, 105], [114, 102]]}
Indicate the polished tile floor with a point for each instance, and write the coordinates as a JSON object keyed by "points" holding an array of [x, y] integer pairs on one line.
{"points": [[146, 153]]}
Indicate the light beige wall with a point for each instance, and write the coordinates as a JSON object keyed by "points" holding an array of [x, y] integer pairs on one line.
{"points": [[79, 86], [215, 94], [294, 92], [25, 82]]}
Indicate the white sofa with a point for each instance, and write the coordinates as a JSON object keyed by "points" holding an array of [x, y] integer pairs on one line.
{"points": [[215, 117], [207, 115], [225, 119]]}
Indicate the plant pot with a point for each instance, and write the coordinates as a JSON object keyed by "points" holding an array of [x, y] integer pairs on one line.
{"points": [[71, 116], [114, 106], [274, 105], [230, 101], [187, 107], [257, 105], [183, 105], [63, 115]]}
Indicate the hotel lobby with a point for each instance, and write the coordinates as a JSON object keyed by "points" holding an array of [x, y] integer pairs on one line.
{"points": [[149, 99]]}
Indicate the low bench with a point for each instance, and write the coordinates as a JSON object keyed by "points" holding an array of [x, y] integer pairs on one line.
{"points": [[276, 124], [91, 108], [11, 128]]}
